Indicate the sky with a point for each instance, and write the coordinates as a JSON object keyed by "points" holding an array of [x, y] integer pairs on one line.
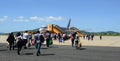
{"points": [[88, 15]]}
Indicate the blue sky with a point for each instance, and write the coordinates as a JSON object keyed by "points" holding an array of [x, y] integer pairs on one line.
{"points": [[89, 15]]}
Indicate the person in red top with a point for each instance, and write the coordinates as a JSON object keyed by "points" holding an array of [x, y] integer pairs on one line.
{"points": [[73, 38]]}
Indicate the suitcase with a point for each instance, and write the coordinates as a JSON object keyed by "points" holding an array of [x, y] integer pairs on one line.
{"points": [[79, 44]]}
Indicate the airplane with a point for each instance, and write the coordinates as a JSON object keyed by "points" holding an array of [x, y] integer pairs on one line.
{"points": [[57, 29]]}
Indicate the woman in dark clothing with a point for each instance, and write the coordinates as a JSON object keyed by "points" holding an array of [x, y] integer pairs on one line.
{"points": [[48, 37], [11, 40], [20, 42], [100, 37], [59, 38]]}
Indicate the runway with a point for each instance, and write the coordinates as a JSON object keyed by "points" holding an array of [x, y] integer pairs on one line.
{"points": [[62, 53]]}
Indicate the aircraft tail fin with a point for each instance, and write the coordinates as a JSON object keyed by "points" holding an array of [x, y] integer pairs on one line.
{"points": [[68, 26]]}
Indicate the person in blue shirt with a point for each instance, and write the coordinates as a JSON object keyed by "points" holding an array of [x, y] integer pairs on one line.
{"points": [[38, 40]]}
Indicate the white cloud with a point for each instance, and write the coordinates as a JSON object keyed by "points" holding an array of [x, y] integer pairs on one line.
{"points": [[21, 19], [38, 19], [4, 18], [49, 18]]}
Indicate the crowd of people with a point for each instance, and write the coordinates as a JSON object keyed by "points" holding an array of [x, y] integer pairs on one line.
{"points": [[90, 37], [28, 39]]}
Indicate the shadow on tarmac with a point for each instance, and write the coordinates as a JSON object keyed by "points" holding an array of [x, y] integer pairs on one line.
{"points": [[81, 48], [28, 54], [40, 55], [3, 50], [47, 54]]}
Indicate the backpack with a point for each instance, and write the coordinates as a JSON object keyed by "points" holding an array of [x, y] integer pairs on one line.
{"points": [[42, 38], [37, 37]]}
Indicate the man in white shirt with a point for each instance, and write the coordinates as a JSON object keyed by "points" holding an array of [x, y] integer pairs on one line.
{"points": [[25, 38]]}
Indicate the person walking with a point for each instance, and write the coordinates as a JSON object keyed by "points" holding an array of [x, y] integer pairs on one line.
{"points": [[11, 40], [20, 42], [92, 36], [48, 37], [76, 40], [60, 38], [100, 37], [25, 39], [38, 40], [73, 38]]}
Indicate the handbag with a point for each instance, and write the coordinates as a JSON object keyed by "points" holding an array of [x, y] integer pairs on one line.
{"points": [[50, 42], [33, 42]]}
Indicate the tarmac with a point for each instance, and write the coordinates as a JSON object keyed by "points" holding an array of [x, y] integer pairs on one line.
{"points": [[107, 49], [62, 53]]}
